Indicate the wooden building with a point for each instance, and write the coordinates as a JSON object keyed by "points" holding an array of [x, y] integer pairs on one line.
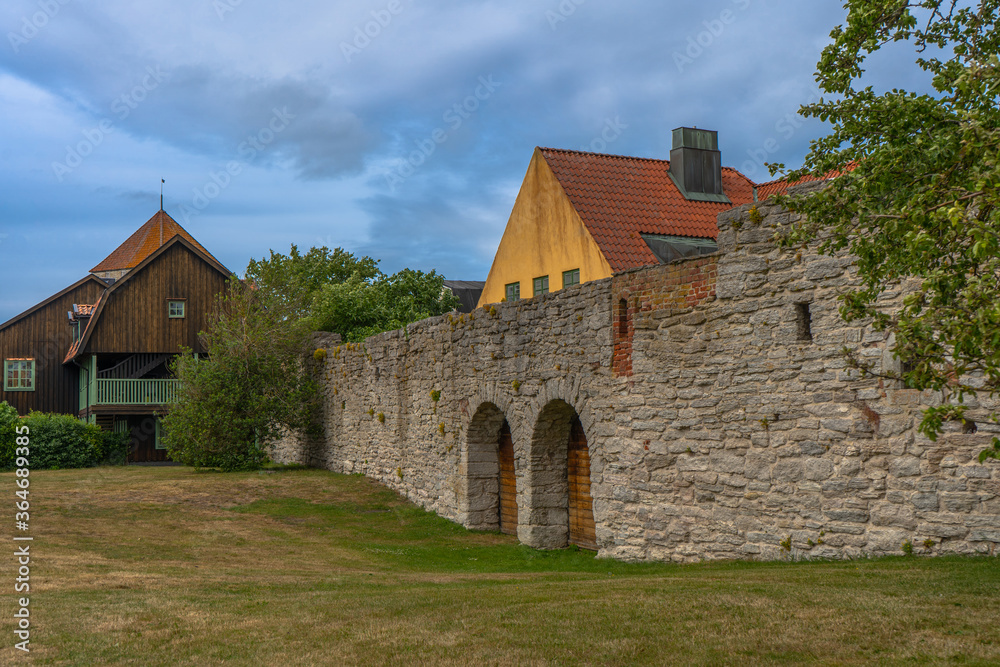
{"points": [[100, 349]]}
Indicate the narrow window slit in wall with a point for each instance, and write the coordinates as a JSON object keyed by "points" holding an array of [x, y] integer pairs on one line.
{"points": [[803, 321], [623, 319], [905, 367]]}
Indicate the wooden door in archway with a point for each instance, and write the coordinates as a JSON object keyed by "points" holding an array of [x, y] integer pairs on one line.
{"points": [[508, 486], [581, 505]]}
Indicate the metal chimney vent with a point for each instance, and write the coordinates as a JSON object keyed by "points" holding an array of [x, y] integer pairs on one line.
{"points": [[696, 165]]}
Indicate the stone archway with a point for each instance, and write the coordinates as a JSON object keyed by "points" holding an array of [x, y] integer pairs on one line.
{"points": [[479, 500], [554, 464]]}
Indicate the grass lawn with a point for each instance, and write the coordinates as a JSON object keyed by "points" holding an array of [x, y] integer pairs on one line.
{"points": [[168, 566]]}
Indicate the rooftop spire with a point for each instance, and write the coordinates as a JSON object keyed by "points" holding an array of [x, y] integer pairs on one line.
{"points": [[161, 210]]}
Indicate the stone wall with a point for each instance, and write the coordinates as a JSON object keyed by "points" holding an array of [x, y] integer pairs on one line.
{"points": [[721, 417]]}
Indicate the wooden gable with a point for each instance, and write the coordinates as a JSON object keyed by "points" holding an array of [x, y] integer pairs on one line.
{"points": [[133, 316], [43, 334]]}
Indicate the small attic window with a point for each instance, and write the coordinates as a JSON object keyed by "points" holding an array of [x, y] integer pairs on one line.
{"points": [[176, 309], [803, 321], [670, 248]]}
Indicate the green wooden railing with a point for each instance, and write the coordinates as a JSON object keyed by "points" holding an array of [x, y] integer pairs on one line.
{"points": [[135, 392]]}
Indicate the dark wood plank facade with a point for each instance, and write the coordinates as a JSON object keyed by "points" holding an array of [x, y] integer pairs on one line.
{"points": [[134, 316], [43, 334], [581, 506], [127, 341], [143, 434], [133, 322]]}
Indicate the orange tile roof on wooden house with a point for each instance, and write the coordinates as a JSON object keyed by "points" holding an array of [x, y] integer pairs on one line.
{"points": [[157, 231], [619, 197]]}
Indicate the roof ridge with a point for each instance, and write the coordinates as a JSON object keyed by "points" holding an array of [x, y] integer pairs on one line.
{"points": [[611, 155], [771, 182], [632, 157]]}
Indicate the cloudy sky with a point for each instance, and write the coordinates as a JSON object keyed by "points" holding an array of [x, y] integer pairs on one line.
{"points": [[399, 129]]}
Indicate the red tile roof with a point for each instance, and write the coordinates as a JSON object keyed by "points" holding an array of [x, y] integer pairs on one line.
{"points": [[775, 187], [620, 197], [84, 309], [781, 185], [144, 242]]}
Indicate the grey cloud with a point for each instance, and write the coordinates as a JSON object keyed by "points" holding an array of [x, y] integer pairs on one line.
{"points": [[435, 231], [207, 111]]}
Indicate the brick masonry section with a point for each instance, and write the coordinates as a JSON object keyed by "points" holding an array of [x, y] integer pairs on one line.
{"points": [[660, 290], [716, 428]]}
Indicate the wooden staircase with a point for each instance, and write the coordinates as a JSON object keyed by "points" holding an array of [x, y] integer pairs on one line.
{"points": [[133, 367]]}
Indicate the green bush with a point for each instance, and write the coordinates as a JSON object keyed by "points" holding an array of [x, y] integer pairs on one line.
{"points": [[63, 441], [8, 421]]}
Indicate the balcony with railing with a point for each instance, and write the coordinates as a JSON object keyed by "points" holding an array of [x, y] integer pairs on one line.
{"points": [[116, 391]]}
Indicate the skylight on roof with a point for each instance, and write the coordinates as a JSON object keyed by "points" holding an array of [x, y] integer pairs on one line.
{"points": [[670, 248]]}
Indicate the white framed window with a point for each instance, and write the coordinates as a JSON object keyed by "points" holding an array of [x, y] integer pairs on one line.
{"points": [[19, 375], [176, 309]]}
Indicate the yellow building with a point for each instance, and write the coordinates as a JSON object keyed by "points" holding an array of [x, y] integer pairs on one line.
{"points": [[583, 216]]}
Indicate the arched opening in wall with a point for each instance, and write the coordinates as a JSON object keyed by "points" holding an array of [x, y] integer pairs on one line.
{"points": [[482, 501], [507, 482], [560, 506]]}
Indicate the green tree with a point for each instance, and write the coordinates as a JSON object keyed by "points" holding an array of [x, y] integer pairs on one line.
{"points": [[292, 280], [346, 294], [253, 384], [358, 308], [917, 193]]}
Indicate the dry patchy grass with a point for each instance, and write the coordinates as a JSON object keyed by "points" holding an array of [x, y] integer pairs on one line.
{"points": [[168, 566]]}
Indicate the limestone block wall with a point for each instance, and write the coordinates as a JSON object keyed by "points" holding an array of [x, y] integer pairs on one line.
{"points": [[407, 407], [721, 417]]}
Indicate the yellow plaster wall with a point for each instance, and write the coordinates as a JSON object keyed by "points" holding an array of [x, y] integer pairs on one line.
{"points": [[544, 237]]}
